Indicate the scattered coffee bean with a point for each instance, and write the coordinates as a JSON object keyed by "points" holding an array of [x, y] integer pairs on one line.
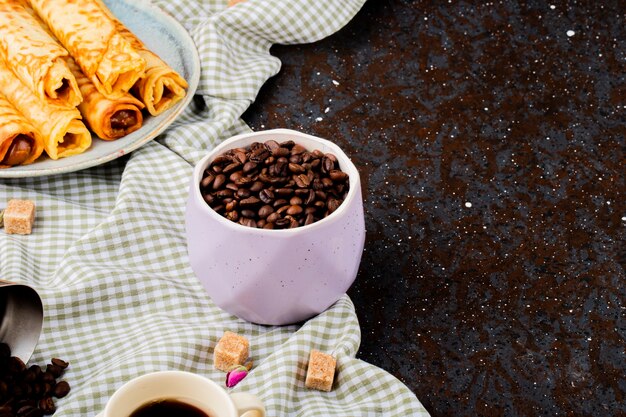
{"points": [[47, 405], [28, 392], [274, 185], [61, 389]]}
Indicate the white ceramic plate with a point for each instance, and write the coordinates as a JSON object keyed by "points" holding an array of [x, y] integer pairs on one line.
{"points": [[165, 37]]}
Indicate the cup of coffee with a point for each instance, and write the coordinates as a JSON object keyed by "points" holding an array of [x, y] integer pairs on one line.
{"points": [[179, 393], [275, 225]]}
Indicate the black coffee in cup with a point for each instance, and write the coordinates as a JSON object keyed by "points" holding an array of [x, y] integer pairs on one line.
{"points": [[168, 408]]}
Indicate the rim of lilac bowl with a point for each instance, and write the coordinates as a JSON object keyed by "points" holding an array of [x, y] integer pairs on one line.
{"points": [[345, 164]]}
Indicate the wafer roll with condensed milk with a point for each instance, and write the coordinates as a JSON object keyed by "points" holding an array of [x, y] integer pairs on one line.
{"points": [[107, 117], [62, 131], [20, 143], [34, 56]]}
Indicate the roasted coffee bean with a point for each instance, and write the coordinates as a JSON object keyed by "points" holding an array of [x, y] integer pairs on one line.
{"points": [[302, 180], [249, 202], [245, 221], [327, 165], [265, 211], [232, 186], [231, 167], [36, 369], [266, 196], [282, 223], [29, 376], [219, 181], [231, 205], [273, 217], [294, 210], [283, 192], [61, 389], [220, 160], [256, 187], [337, 175], [280, 151], [47, 405], [15, 365], [265, 178], [310, 198], [236, 176], [222, 194], [242, 193], [317, 184], [29, 411], [239, 155], [248, 213], [259, 155], [315, 163], [249, 167], [206, 181], [333, 204], [272, 185], [48, 377], [271, 145], [317, 154], [293, 223], [208, 198], [279, 203]]}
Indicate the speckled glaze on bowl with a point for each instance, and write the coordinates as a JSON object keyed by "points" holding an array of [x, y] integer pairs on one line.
{"points": [[282, 276]]}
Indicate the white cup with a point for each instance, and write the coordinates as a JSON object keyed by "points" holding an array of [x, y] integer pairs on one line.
{"points": [[185, 387]]}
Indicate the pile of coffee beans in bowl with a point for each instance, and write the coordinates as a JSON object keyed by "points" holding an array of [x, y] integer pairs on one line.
{"points": [[273, 185]]}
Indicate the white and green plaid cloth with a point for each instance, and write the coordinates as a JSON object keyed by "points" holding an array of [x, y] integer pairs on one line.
{"points": [[109, 258]]}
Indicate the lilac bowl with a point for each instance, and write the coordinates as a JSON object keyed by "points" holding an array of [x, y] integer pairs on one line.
{"points": [[276, 277]]}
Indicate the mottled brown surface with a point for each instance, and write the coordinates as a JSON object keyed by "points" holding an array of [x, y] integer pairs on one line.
{"points": [[491, 146]]}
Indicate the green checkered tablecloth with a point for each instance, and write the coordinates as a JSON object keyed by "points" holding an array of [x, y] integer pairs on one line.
{"points": [[108, 252]]}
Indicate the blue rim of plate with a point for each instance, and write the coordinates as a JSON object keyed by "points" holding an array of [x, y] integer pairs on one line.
{"points": [[166, 37]]}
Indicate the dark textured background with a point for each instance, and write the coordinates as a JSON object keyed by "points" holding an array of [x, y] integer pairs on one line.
{"points": [[491, 146]]}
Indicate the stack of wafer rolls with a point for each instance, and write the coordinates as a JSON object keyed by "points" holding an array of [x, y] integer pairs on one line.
{"points": [[69, 68]]}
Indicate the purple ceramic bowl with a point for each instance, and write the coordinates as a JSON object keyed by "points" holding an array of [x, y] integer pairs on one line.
{"points": [[281, 276]]}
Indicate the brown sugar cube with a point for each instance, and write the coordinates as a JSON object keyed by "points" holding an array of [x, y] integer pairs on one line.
{"points": [[231, 350], [321, 371], [19, 217]]}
